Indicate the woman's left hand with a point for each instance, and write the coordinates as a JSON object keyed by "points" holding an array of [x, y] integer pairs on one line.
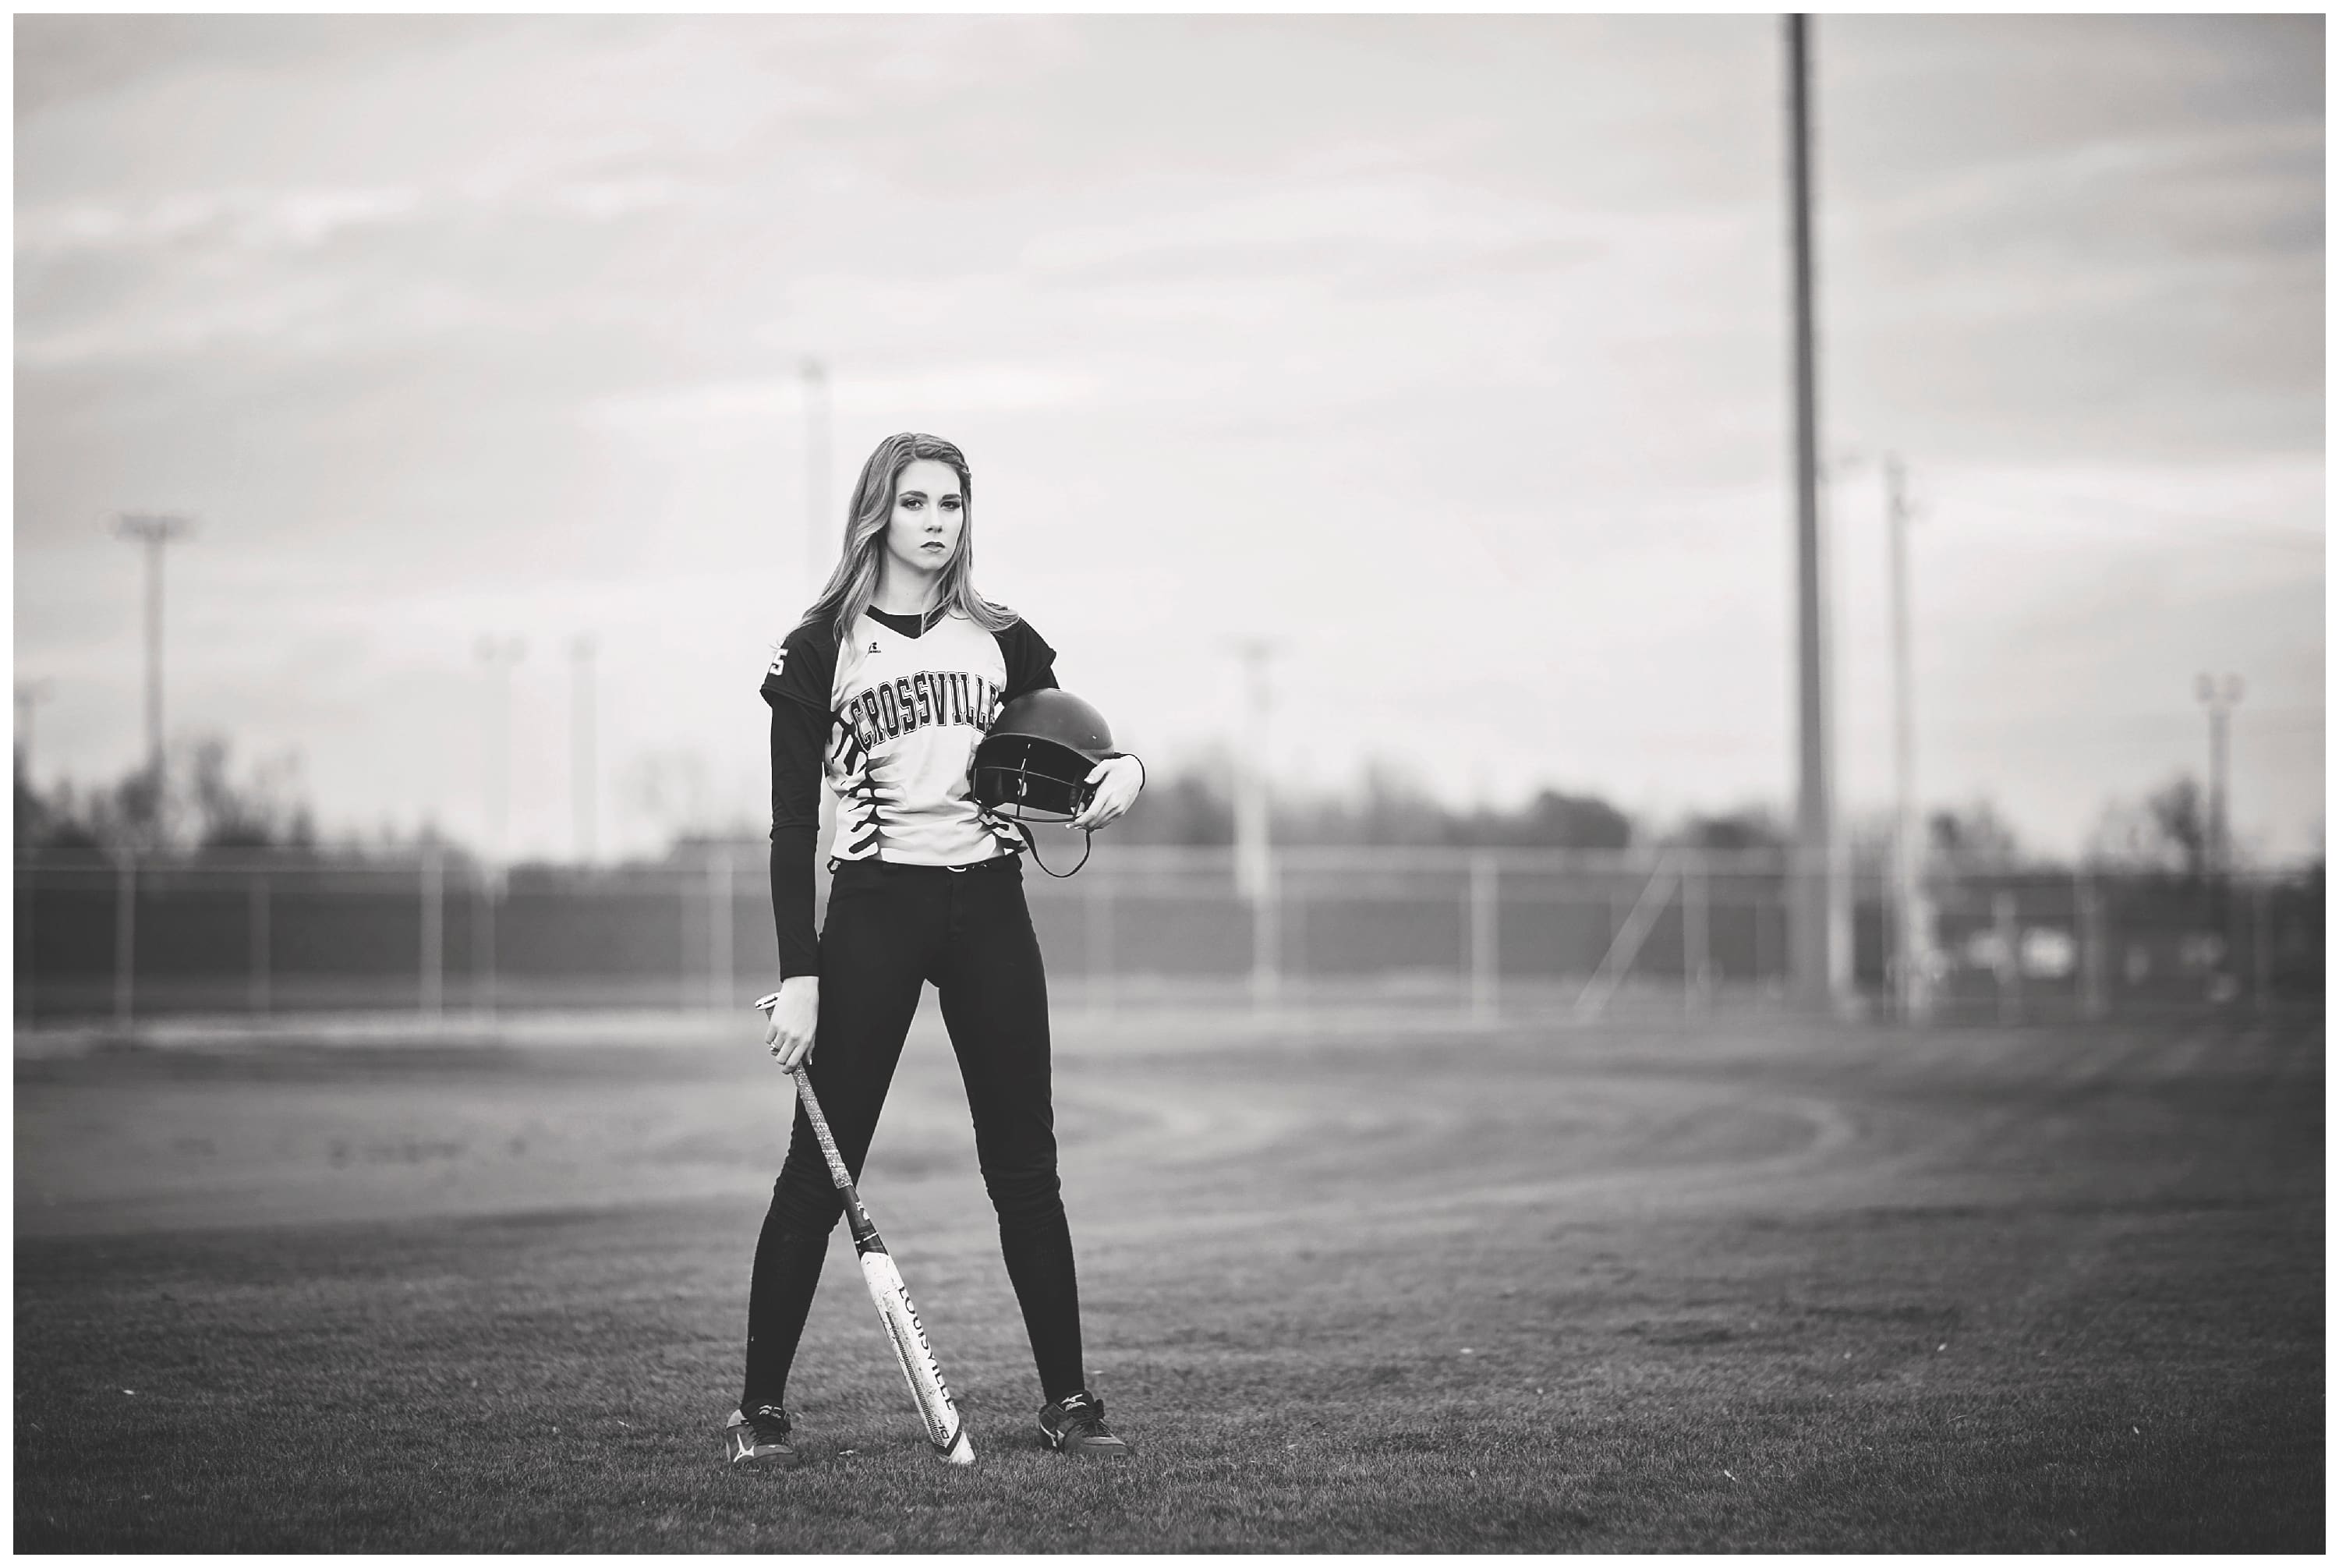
{"points": [[1116, 781]]}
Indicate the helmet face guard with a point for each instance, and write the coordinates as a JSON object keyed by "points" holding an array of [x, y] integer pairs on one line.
{"points": [[1032, 780], [1033, 765]]}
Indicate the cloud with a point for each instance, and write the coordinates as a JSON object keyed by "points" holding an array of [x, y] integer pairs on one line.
{"points": [[1411, 322], [1281, 226], [759, 399], [602, 200], [303, 217], [299, 218], [2167, 198]]}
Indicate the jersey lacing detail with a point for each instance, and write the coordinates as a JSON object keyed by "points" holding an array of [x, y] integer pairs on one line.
{"points": [[854, 779]]}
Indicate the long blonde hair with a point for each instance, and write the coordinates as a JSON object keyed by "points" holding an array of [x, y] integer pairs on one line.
{"points": [[853, 583]]}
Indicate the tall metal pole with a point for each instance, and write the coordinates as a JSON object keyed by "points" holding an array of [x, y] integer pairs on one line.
{"points": [[1252, 854], [2220, 698], [1814, 930], [125, 933], [821, 542], [1254, 858], [1913, 939], [30, 694], [499, 654], [581, 799], [154, 531], [434, 930]]}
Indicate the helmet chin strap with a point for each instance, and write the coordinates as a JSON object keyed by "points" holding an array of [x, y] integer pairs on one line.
{"points": [[1087, 834]]}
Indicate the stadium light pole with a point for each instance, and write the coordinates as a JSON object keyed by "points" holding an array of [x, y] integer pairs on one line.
{"points": [[154, 531], [1254, 856], [30, 694], [1815, 918], [2220, 698], [1911, 927]]}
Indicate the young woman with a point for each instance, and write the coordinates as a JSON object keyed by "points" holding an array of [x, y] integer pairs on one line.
{"points": [[886, 689]]}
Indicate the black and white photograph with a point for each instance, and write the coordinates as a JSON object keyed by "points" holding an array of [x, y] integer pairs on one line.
{"points": [[838, 783]]}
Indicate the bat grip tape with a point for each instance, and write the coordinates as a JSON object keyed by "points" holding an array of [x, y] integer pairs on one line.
{"points": [[811, 1102], [837, 1173]]}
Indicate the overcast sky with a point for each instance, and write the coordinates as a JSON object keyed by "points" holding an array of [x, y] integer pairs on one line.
{"points": [[1450, 353]]}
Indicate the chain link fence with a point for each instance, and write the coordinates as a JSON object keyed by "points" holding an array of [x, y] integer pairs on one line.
{"points": [[1486, 933]]}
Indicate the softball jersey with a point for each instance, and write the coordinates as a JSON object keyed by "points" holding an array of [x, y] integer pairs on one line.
{"points": [[890, 718]]}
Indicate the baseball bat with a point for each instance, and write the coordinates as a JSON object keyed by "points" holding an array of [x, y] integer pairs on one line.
{"points": [[945, 1428]]}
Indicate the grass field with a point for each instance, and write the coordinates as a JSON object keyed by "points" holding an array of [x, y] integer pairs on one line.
{"points": [[1759, 1286]]}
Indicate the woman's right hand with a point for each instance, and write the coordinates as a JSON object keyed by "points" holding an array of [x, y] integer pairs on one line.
{"points": [[793, 1019]]}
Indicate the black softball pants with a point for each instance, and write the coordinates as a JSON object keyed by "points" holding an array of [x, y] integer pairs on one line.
{"points": [[890, 929]]}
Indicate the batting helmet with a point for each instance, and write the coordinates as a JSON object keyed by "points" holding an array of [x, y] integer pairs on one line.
{"points": [[1034, 763]]}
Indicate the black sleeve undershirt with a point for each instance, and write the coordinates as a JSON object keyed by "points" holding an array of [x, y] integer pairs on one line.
{"points": [[797, 687], [1030, 662], [798, 733]]}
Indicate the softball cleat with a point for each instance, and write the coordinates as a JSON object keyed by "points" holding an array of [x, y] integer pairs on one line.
{"points": [[759, 1442], [1075, 1424]]}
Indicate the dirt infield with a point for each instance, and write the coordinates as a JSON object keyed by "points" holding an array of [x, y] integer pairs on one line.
{"points": [[1753, 1286]]}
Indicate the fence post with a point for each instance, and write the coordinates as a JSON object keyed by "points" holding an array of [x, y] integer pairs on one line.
{"points": [[125, 933], [1290, 935], [259, 941], [686, 978], [718, 926], [434, 931], [1618, 913], [1265, 905], [483, 943], [1924, 936], [1099, 953], [1695, 962], [2094, 950], [2262, 899], [2009, 960], [27, 951], [1486, 937]]}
